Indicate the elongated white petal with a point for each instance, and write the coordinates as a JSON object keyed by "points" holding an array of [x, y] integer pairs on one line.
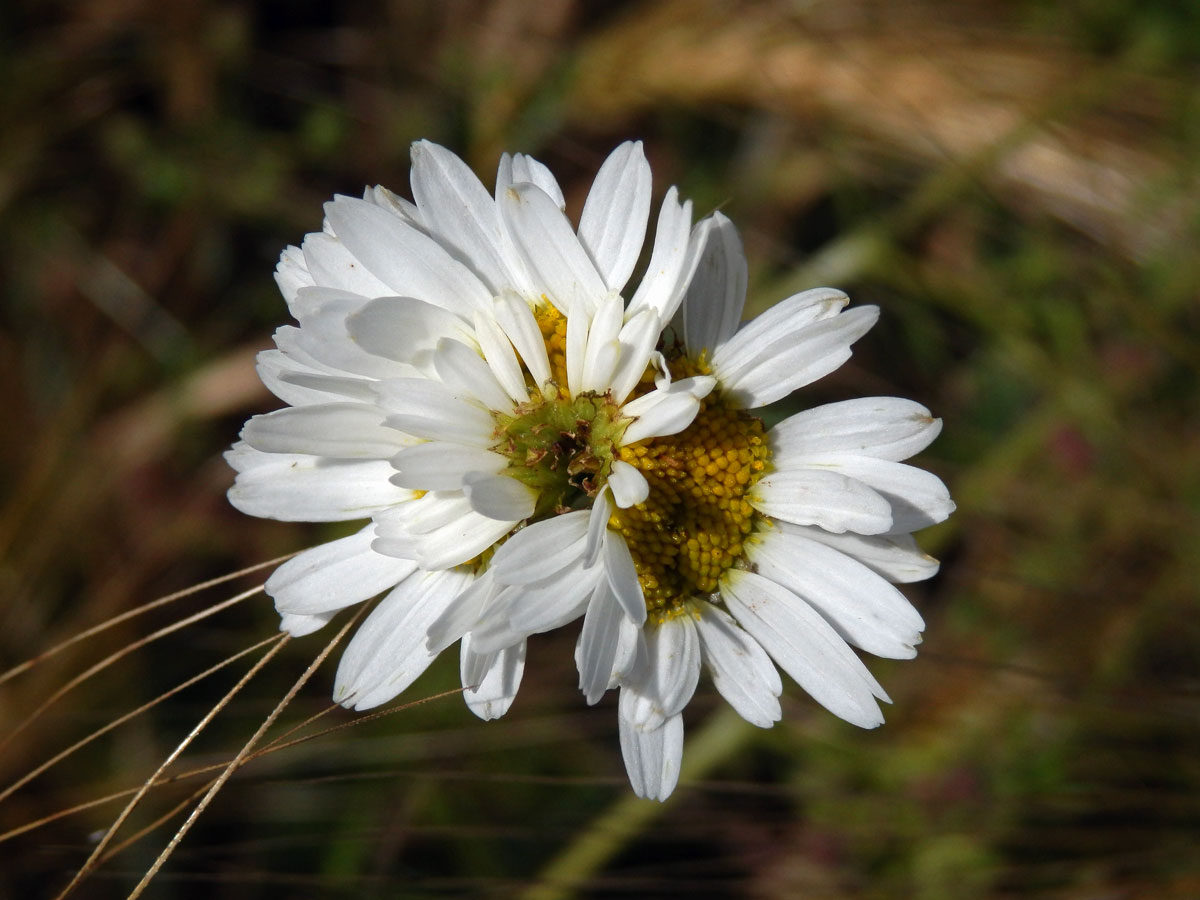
{"points": [[552, 602], [388, 652], [787, 364], [495, 678], [412, 264], [834, 501], [613, 224], [498, 496], [461, 615], [459, 210], [717, 292], [863, 608], [521, 167], [740, 668], [292, 273], [804, 646], [435, 411], [894, 556], [299, 625], [666, 411], [918, 498], [335, 575], [441, 465], [299, 488], [550, 249], [518, 322], [501, 357], [659, 286], [652, 758], [881, 427], [596, 650], [637, 339], [468, 375], [785, 318], [629, 486], [602, 509], [603, 349], [403, 329], [541, 549], [337, 430], [622, 577], [669, 678], [330, 264]]}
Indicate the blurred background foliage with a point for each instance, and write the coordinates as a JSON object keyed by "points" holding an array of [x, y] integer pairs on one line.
{"points": [[1015, 184]]}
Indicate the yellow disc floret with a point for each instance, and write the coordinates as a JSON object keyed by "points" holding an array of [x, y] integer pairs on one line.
{"points": [[696, 519]]}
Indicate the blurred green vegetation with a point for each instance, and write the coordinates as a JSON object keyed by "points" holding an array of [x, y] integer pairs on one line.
{"points": [[1016, 185]]}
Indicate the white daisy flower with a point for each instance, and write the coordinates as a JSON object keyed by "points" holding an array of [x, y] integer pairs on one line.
{"points": [[755, 547], [466, 374]]}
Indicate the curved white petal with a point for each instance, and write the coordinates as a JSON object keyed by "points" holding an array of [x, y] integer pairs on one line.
{"points": [[881, 427], [740, 668], [388, 651], [491, 679], [550, 249], [629, 486], [541, 549], [441, 465], [337, 430], [716, 294], [335, 575], [863, 608], [652, 758], [467, 373], [498, 496], [834, 501], [613, 224], [411, 263], [518, 322], [403, 329], [918, 498], [301, 488], [660, 286], [669, 678], [454, 205], [894, 556], [805, 646], [801, 358], [622, 577], [666, 410], [596, 650]]}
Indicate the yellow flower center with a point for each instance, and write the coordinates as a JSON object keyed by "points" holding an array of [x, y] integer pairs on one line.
{"points": [[695, 522]]}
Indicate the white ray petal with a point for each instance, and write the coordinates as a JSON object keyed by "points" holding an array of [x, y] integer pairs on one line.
{"points": [[302, 488], [498, 496], [740, 668], [805, 646], [550, 249], [495, 677], [668, 680], [831, 500], [613, 224], [412, 264], [882, 427], [464, 371], [388, 652], [335, 575], [863, 608], [716, 293], [652, 758], [629, 486], [337, 430]]}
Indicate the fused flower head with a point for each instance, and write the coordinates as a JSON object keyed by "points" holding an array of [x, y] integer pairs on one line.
{"points": [[534, 440]]}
